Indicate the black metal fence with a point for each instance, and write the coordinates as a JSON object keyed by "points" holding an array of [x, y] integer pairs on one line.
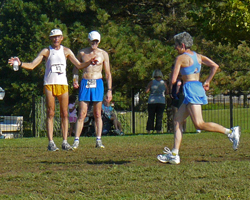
{"points": [[132, 113], [228, 111]]}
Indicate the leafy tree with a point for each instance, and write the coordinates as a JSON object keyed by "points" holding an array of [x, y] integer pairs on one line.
{"points": [[136, 34], [24, 37], [226, 21], [25, 26], [234, 67]]}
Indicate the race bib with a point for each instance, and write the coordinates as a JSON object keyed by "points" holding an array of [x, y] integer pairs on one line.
{"points": [[91, 83], [56, 69]]}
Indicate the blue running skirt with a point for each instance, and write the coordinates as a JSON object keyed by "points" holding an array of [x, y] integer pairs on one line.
{"points": [[194, 93], [91, 94]]}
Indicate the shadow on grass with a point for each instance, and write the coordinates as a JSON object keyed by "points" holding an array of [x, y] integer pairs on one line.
{"points": [[58, 162], [109, 162], [90, 162], [202, 161]]}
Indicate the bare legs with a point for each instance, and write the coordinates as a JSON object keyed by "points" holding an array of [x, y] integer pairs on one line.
{"points": [[64, 101], [195, 113], [174, 111], [50, 104], [98, 118], [83, 109]]}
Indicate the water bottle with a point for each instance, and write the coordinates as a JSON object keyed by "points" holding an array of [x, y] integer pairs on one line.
{"points": [[75, 78], [15, 66]]}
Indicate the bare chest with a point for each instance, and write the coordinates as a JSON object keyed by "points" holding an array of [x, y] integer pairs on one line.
{"points": [[93, 71]]}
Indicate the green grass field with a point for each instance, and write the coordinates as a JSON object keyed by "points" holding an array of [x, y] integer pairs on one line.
{"points": [[126, 169]]}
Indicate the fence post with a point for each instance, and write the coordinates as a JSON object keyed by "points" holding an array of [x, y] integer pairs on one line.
{"points": [[245, 100], [33, 116], [231, 108], [133, 110]]}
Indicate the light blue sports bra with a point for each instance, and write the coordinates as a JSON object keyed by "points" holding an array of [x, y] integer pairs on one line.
{"points": [[193, 69]]}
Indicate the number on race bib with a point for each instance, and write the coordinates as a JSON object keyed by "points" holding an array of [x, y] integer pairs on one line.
{"points": [[56, 69], [91, 83]]}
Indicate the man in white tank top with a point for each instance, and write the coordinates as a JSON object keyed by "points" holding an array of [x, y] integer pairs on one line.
{"points": [[55, 82], [91, 87]]}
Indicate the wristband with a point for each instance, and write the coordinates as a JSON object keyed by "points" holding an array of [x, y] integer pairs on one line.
{"points": [[21, 64], [110, 89]]}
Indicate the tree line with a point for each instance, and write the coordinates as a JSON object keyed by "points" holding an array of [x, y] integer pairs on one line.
{"points": [[138, 35]]}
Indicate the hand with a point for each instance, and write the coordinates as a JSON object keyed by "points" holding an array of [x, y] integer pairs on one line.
{"points": [[109, 96], [12, 59], [206, 86], [75, 85], [94, 61], [179, 83]]}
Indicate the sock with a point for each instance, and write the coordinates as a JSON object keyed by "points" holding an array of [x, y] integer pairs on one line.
{"points": [[98, 138], [228, 131], [175, 152], [64, 141], [76, 138]]}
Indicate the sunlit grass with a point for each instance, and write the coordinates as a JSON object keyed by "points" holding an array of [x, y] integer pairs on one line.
{"points": [[126, 169]]}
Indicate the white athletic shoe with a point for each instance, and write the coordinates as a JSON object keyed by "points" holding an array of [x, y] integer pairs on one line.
{"points": [[99, 144], [66, 146], [234, 137], [52, 147], [75, 144], [168, 157]]}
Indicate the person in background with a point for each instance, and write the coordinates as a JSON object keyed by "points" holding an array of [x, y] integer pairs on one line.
{"points": [[55, 82], [92, 87], [72, 114], [156, 101], [109, 113], [177, 97], [188, 63]]}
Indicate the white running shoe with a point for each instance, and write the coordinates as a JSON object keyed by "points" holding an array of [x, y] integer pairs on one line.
{"points": [[66, 146], [52, 147], [168, 157], [234, 137], [75, 144], [99, 144]]}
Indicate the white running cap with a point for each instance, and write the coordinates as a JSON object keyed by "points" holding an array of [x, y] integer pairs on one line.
{"points": [[94, 35], [55, 32]]}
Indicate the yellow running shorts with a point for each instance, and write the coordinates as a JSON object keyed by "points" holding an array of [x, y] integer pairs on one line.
{"points": [[57, 90]]}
